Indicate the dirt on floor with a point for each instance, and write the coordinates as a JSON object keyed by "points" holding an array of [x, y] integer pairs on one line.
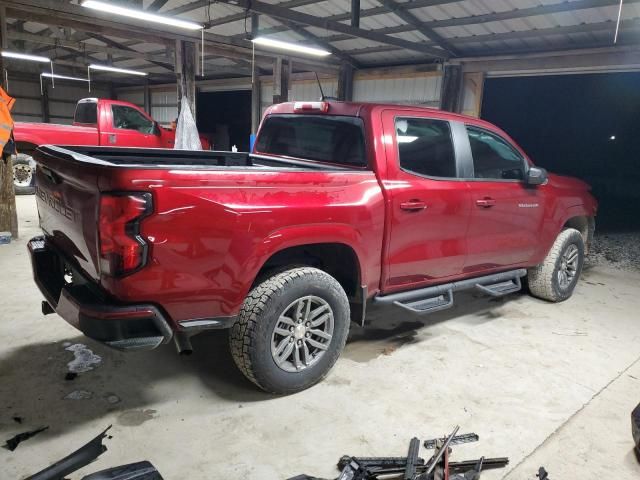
{"points": [[544, 384], [618, 250]]}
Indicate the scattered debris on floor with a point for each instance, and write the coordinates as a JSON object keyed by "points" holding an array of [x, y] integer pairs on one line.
{"points": [[88, 453], [413, 467], [620, 250], [113, 399], [79, 395], [13, 442], [70, 376], [17, 419], [84, 359], [542, 474]]}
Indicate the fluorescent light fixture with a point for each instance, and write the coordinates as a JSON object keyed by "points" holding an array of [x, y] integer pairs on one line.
{"points": [[294, 47], [612, 137], [406, 138], [63, 77], [25, 56], [107, 68], [140, 15]]}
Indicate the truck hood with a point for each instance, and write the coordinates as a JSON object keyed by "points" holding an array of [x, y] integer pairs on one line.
{"points": [[562, 181]]}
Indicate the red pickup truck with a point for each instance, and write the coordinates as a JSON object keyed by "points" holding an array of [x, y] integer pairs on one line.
{"points": [[339, 206], [96, 122]]}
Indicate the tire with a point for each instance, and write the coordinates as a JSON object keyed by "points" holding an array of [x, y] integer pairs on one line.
{"points": [[24, 179], [263, 329], [547, 281]]}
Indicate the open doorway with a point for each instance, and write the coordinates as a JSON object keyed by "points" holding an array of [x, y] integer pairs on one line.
{"points": [[226, 118], [583, 125]]}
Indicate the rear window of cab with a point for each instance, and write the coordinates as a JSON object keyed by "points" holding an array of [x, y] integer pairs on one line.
{"points": [[323, 138]]}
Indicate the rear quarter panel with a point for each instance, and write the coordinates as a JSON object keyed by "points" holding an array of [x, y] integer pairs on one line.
{"points": [[211, 231]]}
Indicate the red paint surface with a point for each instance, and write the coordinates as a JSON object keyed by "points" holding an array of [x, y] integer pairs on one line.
{"points": [[103, 133], [212, 230]]}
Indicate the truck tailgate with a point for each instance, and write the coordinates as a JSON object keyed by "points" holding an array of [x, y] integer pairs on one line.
{"points": [[68, 199]]}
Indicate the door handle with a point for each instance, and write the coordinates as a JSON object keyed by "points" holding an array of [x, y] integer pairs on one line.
{"points": [[486, 202], [413, 205]]}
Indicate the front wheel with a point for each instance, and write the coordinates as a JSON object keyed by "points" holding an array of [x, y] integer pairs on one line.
{"points": [[24, 169], [556, 277], [291, 330]]}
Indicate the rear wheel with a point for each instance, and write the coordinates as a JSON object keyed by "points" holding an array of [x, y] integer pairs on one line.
{"points": [[556, 277], [291, 330], [24, 178]]}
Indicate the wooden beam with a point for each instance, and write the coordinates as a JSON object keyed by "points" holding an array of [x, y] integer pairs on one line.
{"points": [[82, 47], [256, 107], [59, 12], [626, 26], [310, 20], [576, 5], [157, 5], [319, 42], [410, 19]]}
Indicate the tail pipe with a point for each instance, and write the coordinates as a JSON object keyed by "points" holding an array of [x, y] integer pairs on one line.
{"points": [[183, 343]]}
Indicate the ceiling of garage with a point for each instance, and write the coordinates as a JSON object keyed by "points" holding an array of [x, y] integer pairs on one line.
{"points": [[391, 32]]}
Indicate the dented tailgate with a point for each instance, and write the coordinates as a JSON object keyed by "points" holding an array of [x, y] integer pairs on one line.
{"points": [[67, 196]]}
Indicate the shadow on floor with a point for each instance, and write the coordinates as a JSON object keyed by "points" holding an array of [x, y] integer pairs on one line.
{"points": [[128, 385]]}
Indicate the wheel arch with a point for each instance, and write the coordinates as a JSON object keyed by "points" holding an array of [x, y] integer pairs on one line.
{"points": [[585, 224], [323, 248]]}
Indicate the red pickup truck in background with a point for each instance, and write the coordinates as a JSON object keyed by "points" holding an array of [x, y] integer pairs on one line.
{"points": [[339, 206], [96, 121]]}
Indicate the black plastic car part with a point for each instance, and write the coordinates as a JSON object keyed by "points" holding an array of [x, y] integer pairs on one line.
{"points": [[133, 471], [635, 427], [75, 461]]}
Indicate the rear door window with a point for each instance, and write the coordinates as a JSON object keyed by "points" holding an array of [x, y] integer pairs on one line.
{"points": [[86, 113], [425, 147], [324, 138], [493, 157]]}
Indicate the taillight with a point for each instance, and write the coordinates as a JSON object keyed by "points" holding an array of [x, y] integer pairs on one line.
{"points": [[122, 249]]}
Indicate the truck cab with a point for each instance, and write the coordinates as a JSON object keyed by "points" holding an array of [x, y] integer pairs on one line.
{"points": [[339, 207]]}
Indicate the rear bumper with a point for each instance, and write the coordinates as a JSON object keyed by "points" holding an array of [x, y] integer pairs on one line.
{"points": [[83, 305]]}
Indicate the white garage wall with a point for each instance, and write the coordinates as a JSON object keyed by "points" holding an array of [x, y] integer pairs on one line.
{"points": [[416, 88], [419, 89], [28, 106], [133, 96], [62, 99], [164, 105]]}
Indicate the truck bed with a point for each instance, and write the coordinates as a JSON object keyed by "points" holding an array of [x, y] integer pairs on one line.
{"points": [[170, 158]]}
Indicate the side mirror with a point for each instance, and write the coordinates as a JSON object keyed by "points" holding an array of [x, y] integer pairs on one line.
{"points": [[156, 128], [536, 176]]}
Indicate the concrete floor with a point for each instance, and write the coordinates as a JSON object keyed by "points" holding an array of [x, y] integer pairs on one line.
{"points": [[544, 384]]}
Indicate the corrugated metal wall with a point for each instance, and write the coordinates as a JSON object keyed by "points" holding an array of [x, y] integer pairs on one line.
{"points": [[62, 99], [164, 102], [418, 89], [164, 105], [415, 88], [134, 96]]}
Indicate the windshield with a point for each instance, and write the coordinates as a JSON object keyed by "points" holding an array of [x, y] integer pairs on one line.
{"points": [[323, 138]]}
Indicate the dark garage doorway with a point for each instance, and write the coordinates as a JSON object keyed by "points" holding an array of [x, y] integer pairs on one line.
{"points": [[583, 125], [226, 117]]}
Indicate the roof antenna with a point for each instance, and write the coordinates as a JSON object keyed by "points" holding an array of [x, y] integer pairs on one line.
{"points": [[322, 97]]}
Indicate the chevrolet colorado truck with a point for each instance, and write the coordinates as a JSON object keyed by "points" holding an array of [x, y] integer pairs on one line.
{"points": [[339, 205], [96, 122]]}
